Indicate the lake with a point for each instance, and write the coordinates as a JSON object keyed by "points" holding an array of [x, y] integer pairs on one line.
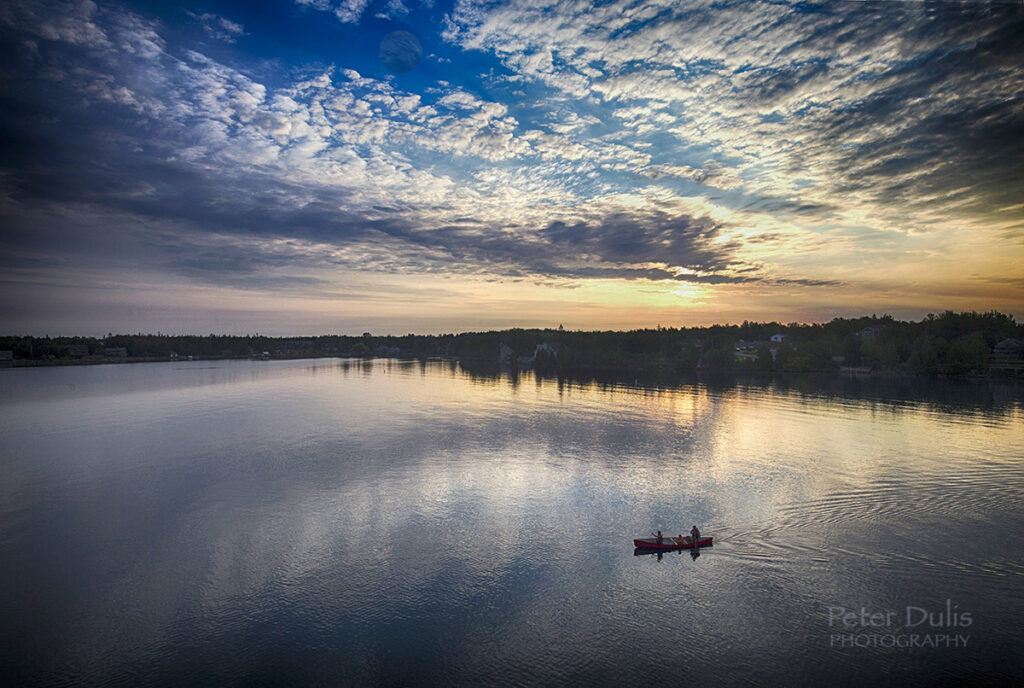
{"points": [[344, 522]]}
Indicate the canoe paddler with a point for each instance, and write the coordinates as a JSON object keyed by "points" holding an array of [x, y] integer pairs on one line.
{"points": [[695, 532], [660, 538]]}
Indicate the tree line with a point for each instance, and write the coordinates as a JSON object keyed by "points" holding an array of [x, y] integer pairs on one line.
{"points": [[946, 344]]}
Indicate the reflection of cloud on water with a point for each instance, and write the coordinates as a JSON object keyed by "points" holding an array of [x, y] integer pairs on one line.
{"points": [[355, 503]]}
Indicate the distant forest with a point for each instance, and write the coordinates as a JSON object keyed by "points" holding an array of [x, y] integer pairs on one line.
{"points": [[946, 344]]}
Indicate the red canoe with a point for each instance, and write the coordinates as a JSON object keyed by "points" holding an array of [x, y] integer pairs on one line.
{"points": [[671, 543]]}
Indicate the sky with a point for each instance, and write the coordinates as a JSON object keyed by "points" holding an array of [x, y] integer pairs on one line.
{"points": [[407, 166]]}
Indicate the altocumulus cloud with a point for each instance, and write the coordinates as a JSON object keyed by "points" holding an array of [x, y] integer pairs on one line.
{"points": [[140, 129], [627, 141], [889, 106]]}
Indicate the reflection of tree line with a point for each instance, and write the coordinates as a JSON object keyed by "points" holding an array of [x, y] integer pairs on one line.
{"points": [[889, 391], [948, 344]]}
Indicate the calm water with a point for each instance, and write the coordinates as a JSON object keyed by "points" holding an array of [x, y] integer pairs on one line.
{"points": [[387, 523]]}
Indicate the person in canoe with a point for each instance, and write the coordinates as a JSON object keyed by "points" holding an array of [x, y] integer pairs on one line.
{"points": [[695, 532], [659, 537]]}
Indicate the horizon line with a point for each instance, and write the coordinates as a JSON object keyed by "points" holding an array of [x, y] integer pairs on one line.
{"points": [[659, 326]]}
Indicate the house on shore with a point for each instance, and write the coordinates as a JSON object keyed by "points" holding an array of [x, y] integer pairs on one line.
{"points": [[505, 354], [1007, 355], [870, 331]]}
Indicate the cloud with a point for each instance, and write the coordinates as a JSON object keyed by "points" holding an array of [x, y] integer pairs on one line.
{"points": [[679, 241], [351, 11], [907, 112], [707, 143], [218, 27]]}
